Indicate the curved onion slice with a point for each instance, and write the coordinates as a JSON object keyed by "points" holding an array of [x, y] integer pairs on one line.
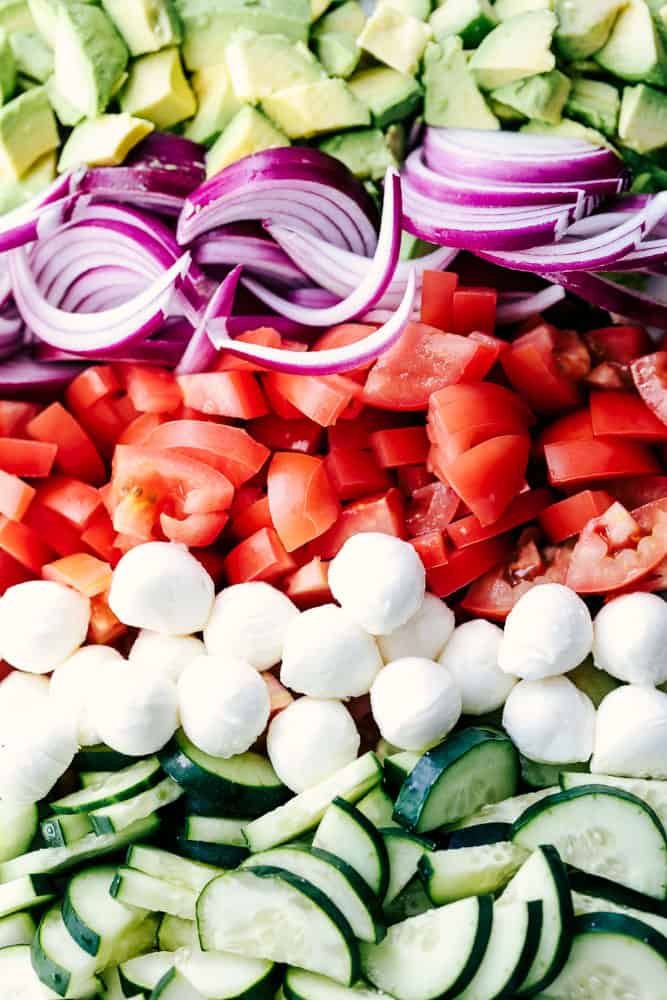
{"points": [[39, 215], [11, 334], [601, 291], [200, 353], [514, 311], [227, 247], [22, 376]]}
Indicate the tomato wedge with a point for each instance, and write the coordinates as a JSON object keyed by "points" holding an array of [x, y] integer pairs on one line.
{"points": [[307, 395], [24, 545], [461, 416], [252, 518], [576, 426], [230, 450], [568, 517], [33, 459], [650, 376], [14, 415], [431, 508], [152, 390], [224, 394], [437, 308], [195, 530], [544, 367], [466, 565], [355, 473], [431, 549], [598, 459], [309, 585], [385, 514], [264, 336], [617, 344], [524, 508], [625, 415], [82, 572], [104, 627], [302, 501], [93, 384], [15, 496], [400, 446], [490, 475], [77, 502], [474, 309], [277, 434], [77, 455], [260, 557]]}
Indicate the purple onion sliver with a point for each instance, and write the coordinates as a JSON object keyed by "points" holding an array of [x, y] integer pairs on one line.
{"points": [[526, 306], [200, 353]]}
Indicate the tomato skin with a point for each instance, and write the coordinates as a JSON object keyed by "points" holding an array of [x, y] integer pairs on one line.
{"points": [[342, 336], [139, 430], [568, 517], [308, 395], [74, 500], [309, 585], [277, 434], [82, 572], [255, 516], [264, 336], [466, 565], [437, 308], [530, 364], [495, 593], [490, 475], [230, 450], [11, 573], [100, 535], [104, 627], [525, 507], [152, 390], [104, 424], [400, 446], [302, 501], [62, 536], [624, 415], [224, 394], [474, 309], [413, 477], [617, 344], [431, 508], [262, 556], [385, 514], [93, 384], [14, 415], [20, 542], [576, 426], [650, 377], [15, 496], [195, 530], [355, 474], [571, 462], [77, 456], [33, 459], [461, 416], [431, 549]]}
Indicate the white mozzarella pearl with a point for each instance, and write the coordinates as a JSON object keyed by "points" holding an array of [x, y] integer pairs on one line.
{"points": [[550, 721], [310, 741], [21, 695], [34, 759], [548, 632], [415, 703], [249, 621], [135, 711], [471, 655], [630, 639], [379, 580], [169, 653], [74, 685], [162, 587], [631, 733], [327, 655], [425, 634], [41, 624]]}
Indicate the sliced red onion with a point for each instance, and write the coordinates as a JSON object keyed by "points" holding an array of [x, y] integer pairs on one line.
{"points": [[200, 353], [23, 377], [5, 284], [30, 221], [11, 334], [285, 327], [649, 253], [601, 291], [157, 352], [313, 298], [517, 309], [257, 254], [174, 152]]}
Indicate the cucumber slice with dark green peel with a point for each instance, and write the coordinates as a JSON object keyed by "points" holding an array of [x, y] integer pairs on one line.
{"points": [[215, 976], [477, 836], [134, 888], [506, 811], [300, 985], [471, 871], [544, 877], [19, 981], [213, 840], [60, 831], [19, 928], [409, 903], [142, 974], [272, 914], [119, 787], [594, 904], [245, 785], [515, 937], [138, 940], [470, 769], [170, 867], [117, 817], [18, 825], [378, 807], [60, 963], [603, 889], [613, 955], [25, 893], [174, 933], [102, 758], [346, 832], [404, 851], [434, 955], [219, 855], [92, 916], [89, 778], [601, 830], [397, 768], [175, 986], [654, 793]]}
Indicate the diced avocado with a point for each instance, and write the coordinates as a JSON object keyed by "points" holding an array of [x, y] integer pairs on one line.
{"points": [[366, 152], [28, 130], [338, 52], [471, 19], [158, 90], [34, 58], [312, 108], [583, 28], [15, 16], [208, 25], [104, 141], [567, 128], [391, 96], [216, 103], [505, 114], [635, 51], [504, 9], [542, 96], [415, 8], [643, 120], [248, 132], [146, 25], [261, 65], [518, 47], [45, 14], [7, 67], [595, 104], [16, 192], [66, 113], [349, 18], [318, 7], [395, 39], [453, 98], [397, 141], [90, 57]]}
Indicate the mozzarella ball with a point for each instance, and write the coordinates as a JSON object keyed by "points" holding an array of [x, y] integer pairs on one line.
{"points": [[310, 741], [41, 624], [415, 703], [550, 721], [378, 580], [630, 639], [548, 632], [161, 587], [224, 705], [327, 655], [169, 653], [135, 711], [34, 758], [249, 621], [74, 687], [21, 695], [631, 734], [424, 635], [471, 656]]}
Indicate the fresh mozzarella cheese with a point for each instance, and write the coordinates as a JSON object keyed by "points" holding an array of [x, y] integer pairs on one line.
{"points": [[162, 587], [415, 703], [224, 704], [630, 639], [471, 656], [249, 621], [169, 653], [631, 733], [21, 695], [41, 624], [310, 741], [135, 711], [74, 684], [327, 655], [548, 632], [424, 635], [379, 580], [550, 721], [35, 757]]}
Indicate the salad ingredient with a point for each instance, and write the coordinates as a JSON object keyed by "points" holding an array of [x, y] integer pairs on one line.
{"points": [[550, 720], [41, 624], [74, 684], [135, 712], [471, 656], [310, 740], [33, 759], [630, 733], [21, 694], [424, 635], [168, 653], [629, 639], [249, 621], [415, 703], [346, 831]]}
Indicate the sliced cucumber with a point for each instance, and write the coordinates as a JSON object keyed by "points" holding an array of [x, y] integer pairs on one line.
{"points": [[245, 785], [300, 985], [378, 808], [137, 941], [25, 893], [478, 836], [170, 867], [601, 888], [515, 936], [221, 856], [102, 758], [92, 916], [336, 879], [434, 955], [216, 976], [594, 904], [346, 832], [120, 786], [654, 793], [470, 769], [409, 903], [117, 817], [397, 767], [601, 830], [217, 841], [133, 888], [174, 933], [60, 963], [19, 981], [544, 877], [18, 826], [306, 810], [272, 914], [612, 956], [19, 928], [175, 986], [403, 852], [141, 975], [89, 778], [60, 831], [506, 811], [470, 871]]}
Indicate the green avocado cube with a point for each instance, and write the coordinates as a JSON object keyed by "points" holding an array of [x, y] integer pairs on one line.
{"points": [[15, 16], [365, 152], [104, 141], [471, 19], [28, 131], [260, 65], [518, 47], [391, 96], [634, 50], [16, 192], [583, 28], [568, 129], [248, 132], [158, 90], [338, 52], [595, 104], [504, 9], [7, 67], [90, 58], [453, 99], [395, 39], [45, 15], [312, 108], [349, 18], [34, 58], [216, 103], [420, 9], [66, 113], [643, 120], [146, 25], [318, 7], [542, 96]]}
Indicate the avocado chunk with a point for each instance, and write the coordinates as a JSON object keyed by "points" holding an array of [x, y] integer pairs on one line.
{"points": [[453, 98], [318, 7], [15, 16], [420, 9], [504, 9], [260, 65], [208, 25], [248, 132], [312, 108], [568, 129], [366, 152], [66, 113], [16, 192], [349, 18], [158, 90], [146, 25], [643, 120], [634, 50], [338, 52], [45, 15], [90, 58], [503, 112], [104, 141], [542, 96], [395, 39], [28, 131], [34, 58], [391, 96], [7, 67], [471, 19], [583, 28], [595, 104], [216, 103], [518, 47]]}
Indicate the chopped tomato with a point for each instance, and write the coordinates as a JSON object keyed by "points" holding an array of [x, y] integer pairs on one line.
{"points": [[77, 502], [260, 557], [598, 459], [11, 574], [77, 455], [461, 416], [490, 475], [431, 549], [82, 572], [195, 530], [230, 450], [302, 501], [617, 344], [310, 396], [576, 426], [33, 459], [624, 415], [618, 548], [400, 446], [524, 508], [253, 517], [650, 377], [494, 344], [437, 307], [93, 384], [466, 565], [140, 429], [104, 424], [342, 336], [213, 561], [61, 535], [544, 366], [264, 336], [413, 477], [224, 394], [309, 585], [474, 309], [287, 435], [104, 627], [610, 375], [152, 390], [278, 403], [384, 514], [24, 545], [354, 473], [279, 696], [638, 490], [15, 496], [14, 415], [100, 535], [431, 508], [568, 517]]}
